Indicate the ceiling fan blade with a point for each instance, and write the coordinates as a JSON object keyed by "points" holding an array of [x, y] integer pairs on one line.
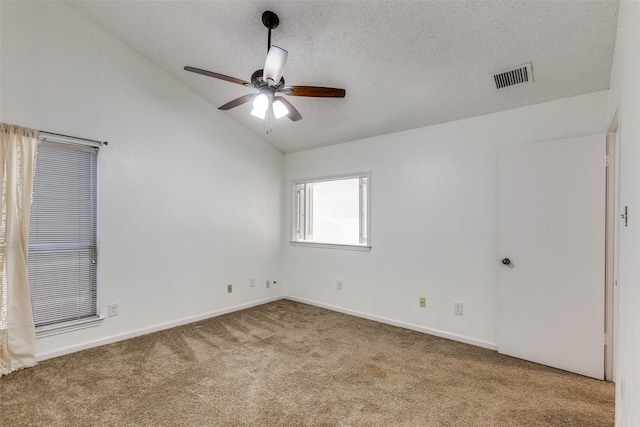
{"points": [[274, 65], [293, 114], [238, 101], [315, 91], [217, 76]]}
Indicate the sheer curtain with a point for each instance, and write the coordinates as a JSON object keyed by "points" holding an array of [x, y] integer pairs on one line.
{"points": [[17, 165]]}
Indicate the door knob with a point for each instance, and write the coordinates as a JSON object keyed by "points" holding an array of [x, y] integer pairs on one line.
{"points": [[506, 261]]}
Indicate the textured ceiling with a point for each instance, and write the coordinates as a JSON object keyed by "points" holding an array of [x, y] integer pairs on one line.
{"points": [[404, 64]]}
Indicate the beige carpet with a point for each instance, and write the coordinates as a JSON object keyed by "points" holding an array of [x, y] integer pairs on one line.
{"points": [[290, 364]]}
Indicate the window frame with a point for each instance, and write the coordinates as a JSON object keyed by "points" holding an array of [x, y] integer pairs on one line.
{"points": [[298, 217], [97, 319]]}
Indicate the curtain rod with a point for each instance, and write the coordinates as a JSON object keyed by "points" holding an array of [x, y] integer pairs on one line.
{"points": [[76, 137]]}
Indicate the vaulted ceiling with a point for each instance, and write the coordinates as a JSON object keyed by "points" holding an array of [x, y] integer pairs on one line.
{"points": [[403, 64]]}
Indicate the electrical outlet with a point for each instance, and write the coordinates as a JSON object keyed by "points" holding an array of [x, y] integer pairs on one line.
{"points": [[252, 282], [339, 285], [268, 283], [457, 308], [112, 310], [423, 302], [229, 288]]}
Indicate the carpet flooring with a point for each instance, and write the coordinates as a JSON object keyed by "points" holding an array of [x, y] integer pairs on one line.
{"points": [[291, 364]]}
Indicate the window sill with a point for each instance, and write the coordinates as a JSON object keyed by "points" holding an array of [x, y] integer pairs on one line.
{"points": [[363, 248], [61, 328]]}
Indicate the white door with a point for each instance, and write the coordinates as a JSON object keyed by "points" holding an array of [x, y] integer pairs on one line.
{"points": [[551, 245]]}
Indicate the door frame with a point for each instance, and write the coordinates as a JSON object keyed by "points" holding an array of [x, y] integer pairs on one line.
{"points": [[611, 237]]}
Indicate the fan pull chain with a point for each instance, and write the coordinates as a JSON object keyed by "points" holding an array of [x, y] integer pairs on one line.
{"points": [[269, 117]]}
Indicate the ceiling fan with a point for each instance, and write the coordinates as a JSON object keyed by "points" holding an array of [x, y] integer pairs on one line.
{"points": [[270, 84]]}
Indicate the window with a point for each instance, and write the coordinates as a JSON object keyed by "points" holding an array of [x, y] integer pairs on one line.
{"points": [[63, 238], [333, 212], [3, 306]]}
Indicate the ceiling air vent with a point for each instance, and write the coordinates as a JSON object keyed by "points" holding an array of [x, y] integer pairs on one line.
{"points": [[515, 76]]}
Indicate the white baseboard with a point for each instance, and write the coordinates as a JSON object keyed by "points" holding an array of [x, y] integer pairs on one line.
{"points": [[186, 320], [411, 326], [151, 329]]}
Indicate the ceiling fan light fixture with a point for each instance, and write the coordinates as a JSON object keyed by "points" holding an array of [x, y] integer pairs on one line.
{"points": [[259, 114], [261, 103], [279, 109], [274, 65]]}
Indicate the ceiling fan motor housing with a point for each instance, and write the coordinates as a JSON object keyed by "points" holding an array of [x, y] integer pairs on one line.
{"points": [[258, 81]]}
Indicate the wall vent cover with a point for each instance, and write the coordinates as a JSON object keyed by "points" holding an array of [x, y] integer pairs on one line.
{"points": [[514, 76]]}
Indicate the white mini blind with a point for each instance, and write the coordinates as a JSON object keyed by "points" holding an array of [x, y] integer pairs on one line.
{"points": [[63, 236], [3, 306], [300, 213], [364, 210]]}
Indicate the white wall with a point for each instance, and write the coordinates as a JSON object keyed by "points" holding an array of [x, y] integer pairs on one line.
{"points": [[189, 200], [434, 218], [625, 97]]}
